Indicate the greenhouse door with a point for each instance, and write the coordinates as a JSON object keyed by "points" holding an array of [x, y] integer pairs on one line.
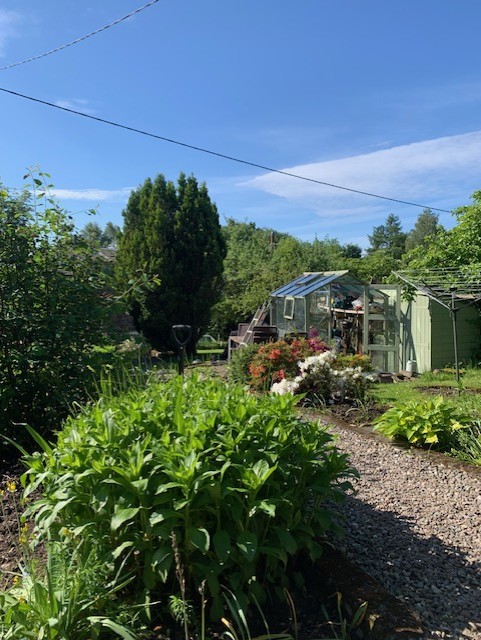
{"points": [[382, 326]]}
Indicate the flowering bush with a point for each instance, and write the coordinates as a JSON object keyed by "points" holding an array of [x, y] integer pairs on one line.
{"points": [[320, 380], [276, 361], [353, 361]]}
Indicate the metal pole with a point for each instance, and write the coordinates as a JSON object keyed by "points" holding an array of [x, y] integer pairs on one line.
{"points": [[455, 335]]}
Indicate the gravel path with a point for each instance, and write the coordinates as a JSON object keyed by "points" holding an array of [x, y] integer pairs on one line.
{"points": [[414, 524]]}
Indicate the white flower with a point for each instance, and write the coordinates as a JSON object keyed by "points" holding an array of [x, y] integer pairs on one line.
{"points": [[284, 386], [315, 363]]}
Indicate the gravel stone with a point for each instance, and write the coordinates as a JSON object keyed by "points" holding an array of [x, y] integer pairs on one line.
{"points": [[414, 524]]}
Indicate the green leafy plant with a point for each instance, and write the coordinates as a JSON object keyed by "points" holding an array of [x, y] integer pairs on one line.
{"points": [[66, 598], [343, 627], [356, 361], [467, 446], [430, 423], [228, 473], [238, 627], [240, 361], [55, 306]]}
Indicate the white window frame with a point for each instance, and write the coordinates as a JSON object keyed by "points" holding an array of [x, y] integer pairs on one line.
{"points": [[289, 303]]}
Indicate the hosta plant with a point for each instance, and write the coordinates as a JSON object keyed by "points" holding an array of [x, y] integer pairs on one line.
{"points": [[432, 423], [238, 482]]}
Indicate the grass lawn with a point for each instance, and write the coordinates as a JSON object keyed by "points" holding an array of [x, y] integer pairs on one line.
{"points": [[467, 393]]}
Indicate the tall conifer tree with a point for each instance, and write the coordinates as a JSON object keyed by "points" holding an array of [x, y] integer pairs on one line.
{"points": [[174, 234]]}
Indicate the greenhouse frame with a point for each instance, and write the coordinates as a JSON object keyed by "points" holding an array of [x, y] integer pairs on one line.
{"points": [[342, 310]]}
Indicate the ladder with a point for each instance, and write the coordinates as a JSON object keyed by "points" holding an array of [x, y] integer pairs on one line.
{"points": [[258, 318]]}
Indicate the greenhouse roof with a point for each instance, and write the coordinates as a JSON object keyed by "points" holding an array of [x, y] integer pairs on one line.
{"points": [[307, 283]]}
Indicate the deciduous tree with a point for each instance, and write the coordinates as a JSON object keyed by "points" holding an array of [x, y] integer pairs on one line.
{"points": [[457, 247], [54, 311]]}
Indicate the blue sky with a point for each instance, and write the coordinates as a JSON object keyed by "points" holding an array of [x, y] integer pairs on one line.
{"points": [[380, 96]]}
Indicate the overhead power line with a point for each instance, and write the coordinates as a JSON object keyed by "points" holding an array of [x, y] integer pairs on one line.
{"points": [[81, 39], [220, 155]]}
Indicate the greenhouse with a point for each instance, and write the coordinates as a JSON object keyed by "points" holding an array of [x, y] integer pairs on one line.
{"points": [[344, 311]]}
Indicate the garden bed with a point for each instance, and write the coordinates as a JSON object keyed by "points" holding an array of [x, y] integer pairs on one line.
{"points": [[330, 575]]}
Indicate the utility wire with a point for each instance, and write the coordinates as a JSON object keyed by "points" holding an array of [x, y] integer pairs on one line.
{"points": [[77, 40], [220, 155]]}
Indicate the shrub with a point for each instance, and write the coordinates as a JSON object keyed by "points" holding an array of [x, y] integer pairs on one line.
{"points": [[320, 379], [352, 361], [237, 479], [433, 422], [54, 308], [276, 361], [240, 361]]}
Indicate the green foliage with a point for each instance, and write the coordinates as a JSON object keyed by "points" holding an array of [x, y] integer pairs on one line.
{"points": [[375, 267], [343, 627], [71, 597], [351, 250], [97, 237], [457, 247], [54, 307], [345, 361], [240, 361], [433, 422], [389, 237], [467, 445], [172, 233], [422, 234], [248, 278], [227, 473], [238, 626]]}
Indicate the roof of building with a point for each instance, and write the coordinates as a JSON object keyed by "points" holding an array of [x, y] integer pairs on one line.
{"points": [[309, 282]]}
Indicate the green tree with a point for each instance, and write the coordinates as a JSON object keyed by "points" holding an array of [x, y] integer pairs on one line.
{"points": [[456, 247], [248, 278], [427, 226], [376, 267], [351, 250], [173, 233], [54, 311], [323, 255], [259, 261], [110, 235], [388, 237], [95, 236]]}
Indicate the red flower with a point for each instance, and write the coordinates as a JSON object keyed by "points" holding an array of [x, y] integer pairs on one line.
{"points": [[275, 353]]}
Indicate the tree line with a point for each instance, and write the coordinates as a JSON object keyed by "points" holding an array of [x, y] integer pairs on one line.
{"points": [[214, 276]]}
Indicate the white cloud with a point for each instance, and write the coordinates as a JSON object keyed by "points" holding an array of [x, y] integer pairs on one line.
{"points": [[76, 105], [9, 20], [93, 195], [439, 173]]}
